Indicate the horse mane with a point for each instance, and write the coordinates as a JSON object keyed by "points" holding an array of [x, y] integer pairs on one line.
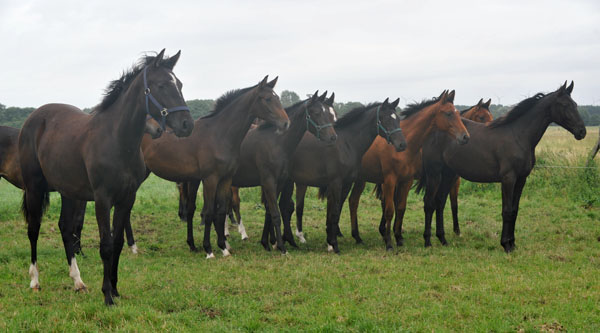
{"points": [[116, 87], [290, 110], [467, 110], [415, 107], [353, 115], [517, 111], [226, 99]]}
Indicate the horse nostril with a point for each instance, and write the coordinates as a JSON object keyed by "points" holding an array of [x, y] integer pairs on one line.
{"points": [[184, 124]]}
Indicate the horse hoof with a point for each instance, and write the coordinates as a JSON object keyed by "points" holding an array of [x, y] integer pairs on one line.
{"points": [[115, 293], [244, 237], [329, 248], [358, 240], [226, 253], [457, 232], [134, 249], [194, 249], [266, 246], [389, 248], [300, 236], [227, 246], [36, 288], [80, 287], [427, 244], [210, 256], [109, 301], [242, 231]]}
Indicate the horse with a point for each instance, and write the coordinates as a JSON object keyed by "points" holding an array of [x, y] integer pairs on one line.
{"points": [[97, 157], [394, 171], [479, 113], [10, 169], [502, 151], [211, 154], [265, 155], [334, 168]]}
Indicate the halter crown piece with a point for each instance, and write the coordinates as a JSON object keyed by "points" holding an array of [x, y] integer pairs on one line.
{"points": [[164, 112], [309, 121], [383, 129]]}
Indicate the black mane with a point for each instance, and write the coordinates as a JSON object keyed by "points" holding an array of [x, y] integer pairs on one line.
{"points": [[416, 107], [116, 87], [226, 99], [516, 112], [290, 110], [353, 115]]}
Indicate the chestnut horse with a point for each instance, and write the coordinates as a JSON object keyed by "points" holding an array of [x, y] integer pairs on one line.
{"points": [[501, 151], [479, 113], [381, 165], [211, 154], [97, 157], [334, 168]]}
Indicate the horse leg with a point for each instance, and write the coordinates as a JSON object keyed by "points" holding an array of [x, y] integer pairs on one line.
{"points": [[227, 215], [353, 201], [190, 203], [508, 212], [66, 226], [209, 190], [121, 218], [103, 206], [300, 194], [222, 198], [429, 201], [346, 187], [333, 215], [388, 187], [35, 199], [269, 187], [236, 210], [264, 240], [130, 239], [400, 198], [448, 179], [183, 190], [519, 185], [286, 209], [454, 205], [78, 218]]}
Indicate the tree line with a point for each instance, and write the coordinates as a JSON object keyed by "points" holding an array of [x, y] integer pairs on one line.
{"points": [[15, 116]]}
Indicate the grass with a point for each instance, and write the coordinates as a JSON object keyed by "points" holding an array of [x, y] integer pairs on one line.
{"points": [[551, 282]]}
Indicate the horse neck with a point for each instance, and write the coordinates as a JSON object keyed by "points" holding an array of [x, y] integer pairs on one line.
{"points": [[129, 114], [358, 137], [233, 122], [417, 127], [531, 126], [291, 138]]}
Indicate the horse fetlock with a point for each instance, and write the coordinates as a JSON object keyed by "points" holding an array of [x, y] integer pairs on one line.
{"points": [[210, 255], [242, 230], [134, 248], [300, 236], [226, 253], [34, 274]]}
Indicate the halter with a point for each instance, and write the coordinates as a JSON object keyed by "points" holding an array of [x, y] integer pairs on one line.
{"points": [[385, 131], [164, 112], [309, 121]]}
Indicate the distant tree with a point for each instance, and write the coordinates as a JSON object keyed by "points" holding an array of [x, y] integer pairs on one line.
{"points": [[200, 107], [343, 108], [289, 98]]}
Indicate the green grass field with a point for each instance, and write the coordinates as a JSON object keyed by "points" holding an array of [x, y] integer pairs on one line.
{"points": [[550, 283]]}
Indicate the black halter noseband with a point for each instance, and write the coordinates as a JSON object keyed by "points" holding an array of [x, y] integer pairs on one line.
{"points": [[309, 121], [164, 112]]}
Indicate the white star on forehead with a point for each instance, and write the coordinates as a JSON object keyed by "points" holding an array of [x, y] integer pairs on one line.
{"points": [[394, 116], [332, 113]]}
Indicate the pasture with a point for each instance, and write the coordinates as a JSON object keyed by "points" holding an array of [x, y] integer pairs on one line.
{"points": [[550, 283]]}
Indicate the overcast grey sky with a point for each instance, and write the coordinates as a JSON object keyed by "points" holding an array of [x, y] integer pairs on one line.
{"points": [[68, 51]]}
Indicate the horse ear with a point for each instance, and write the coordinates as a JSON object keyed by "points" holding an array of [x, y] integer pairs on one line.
{"points": [[171, 62], [322, 98], [451, 97], [331, 98], [487, 104], [159, 58], [263, 82], [395, 103], [443, 97], [314, 96], [273, 83], [570, 87], [386, 102], [480, 102], [442, 94]]}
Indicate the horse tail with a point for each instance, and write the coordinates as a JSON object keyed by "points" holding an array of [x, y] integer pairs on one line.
{"points": [[422, 182], [39, 200], [322, 192]]}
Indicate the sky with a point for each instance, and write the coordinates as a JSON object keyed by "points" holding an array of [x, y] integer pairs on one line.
{"points": [[68, 51]]}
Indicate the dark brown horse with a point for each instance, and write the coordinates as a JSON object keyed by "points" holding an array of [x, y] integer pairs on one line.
{"points": [[478, 113], [395, 171], [334, 168], [265, 155], [97, 157], [211, 154], [502, 151]]}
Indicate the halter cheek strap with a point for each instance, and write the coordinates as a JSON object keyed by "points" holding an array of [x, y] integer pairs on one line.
{"points": [[317, 127], [384, 130], [164, 112]]}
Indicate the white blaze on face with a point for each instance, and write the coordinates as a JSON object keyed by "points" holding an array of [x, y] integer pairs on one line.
{"points": [[394, 116], [35, 276], [74, 274], [332, 112]]}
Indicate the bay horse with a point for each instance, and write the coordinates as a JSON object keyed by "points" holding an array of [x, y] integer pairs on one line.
{"points": [[479, 113], [333, 168], [97, 157], [211, 154], [265, 155], [395, 171], [502, 151]]}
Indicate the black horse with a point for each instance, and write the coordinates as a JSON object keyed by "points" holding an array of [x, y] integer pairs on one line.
{"points": [[501, 151]]}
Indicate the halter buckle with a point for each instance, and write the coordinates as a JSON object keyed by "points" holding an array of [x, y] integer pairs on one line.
{"points": [[164, 112], [146, 91]]}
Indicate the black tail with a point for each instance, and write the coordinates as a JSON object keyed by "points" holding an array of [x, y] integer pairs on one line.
{"points": [[378, 190], [422, 182], [322, 192], [43, 198]]}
